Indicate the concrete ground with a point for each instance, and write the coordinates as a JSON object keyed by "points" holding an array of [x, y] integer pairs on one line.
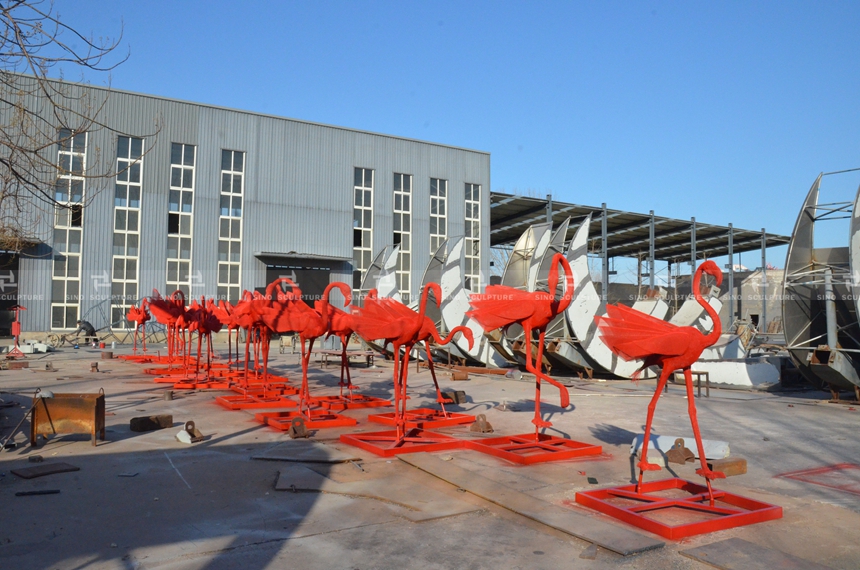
{"points": [[144, 500]]}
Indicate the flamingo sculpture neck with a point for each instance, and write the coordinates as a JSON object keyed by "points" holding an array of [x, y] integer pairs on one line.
{"points": [[552, 282], [713, 336]]}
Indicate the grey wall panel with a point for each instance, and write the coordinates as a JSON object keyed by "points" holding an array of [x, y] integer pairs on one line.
{"points": [[34, 289]]}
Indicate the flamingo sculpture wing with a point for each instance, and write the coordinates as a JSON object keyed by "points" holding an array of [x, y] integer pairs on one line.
{"points": [[632, 334], [501, 306]]}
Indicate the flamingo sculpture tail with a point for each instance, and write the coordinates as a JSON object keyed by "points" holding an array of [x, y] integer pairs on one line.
{"points": [[635, 335]]}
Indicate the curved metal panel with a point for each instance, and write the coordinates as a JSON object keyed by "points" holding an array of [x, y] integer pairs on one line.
{"points": [[455, 303], [381, 276]]}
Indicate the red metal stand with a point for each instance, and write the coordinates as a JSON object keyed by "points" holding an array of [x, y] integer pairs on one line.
{"points": [[675, 508], [527, 449], [349, 402], [388, 444], [314, 419], [425, 418], [16, 352]]}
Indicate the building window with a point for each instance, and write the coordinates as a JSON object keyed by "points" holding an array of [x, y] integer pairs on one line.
{"points": [[230, 225], [473, 237], [180, 217], [362, 225], [438, 213], [68, 229], [403, 232], [126, 228]]}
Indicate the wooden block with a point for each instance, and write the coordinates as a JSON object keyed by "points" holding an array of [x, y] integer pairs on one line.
{"points": [[729, 465], [18, 364], [107, 355], [151, 423], [459, 375], [456, 396], [44, 469]]}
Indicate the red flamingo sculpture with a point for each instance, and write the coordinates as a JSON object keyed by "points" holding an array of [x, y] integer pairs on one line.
{"points": [[290, 314], [634, 335], [502, 306], [224, 312], [250, 314], [341, 325], [395, 323], [204, 322], [139, 316], [168, 312]]}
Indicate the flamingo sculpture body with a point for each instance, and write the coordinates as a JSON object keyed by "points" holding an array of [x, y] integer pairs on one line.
{"points": [[632, 334], [502, 306], [139, 316]]}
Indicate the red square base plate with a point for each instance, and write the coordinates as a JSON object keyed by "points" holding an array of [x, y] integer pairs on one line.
{"points": [[354, 402], [425, 418], [675, 508], [250, 401], [527, 449], [314, 419], [386, 444]]}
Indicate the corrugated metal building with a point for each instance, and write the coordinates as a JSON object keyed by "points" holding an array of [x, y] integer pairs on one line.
{"points": [[226, 200]]}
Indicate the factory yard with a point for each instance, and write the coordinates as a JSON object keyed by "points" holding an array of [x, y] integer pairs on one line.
{"points": [[145, 500]]}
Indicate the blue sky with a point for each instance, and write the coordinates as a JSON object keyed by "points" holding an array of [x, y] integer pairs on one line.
{"points": [[726, 111]]}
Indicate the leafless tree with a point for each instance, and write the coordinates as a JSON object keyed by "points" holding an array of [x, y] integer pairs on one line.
{"points": [[39, 114]]}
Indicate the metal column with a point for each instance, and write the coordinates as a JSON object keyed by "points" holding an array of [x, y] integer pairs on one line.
{"points": [[604, 249], [651, 263], [549, 208], [830, 309], [763, 319], [693, 244], [731, 275]]}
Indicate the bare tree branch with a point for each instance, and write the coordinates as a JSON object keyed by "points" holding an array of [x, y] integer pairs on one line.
{"points": [[39, 113]]}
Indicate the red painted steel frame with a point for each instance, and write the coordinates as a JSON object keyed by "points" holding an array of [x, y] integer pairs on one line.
{"points": [[525, 449], [388, 444], [271, 390], [202, 384], [424, 418], [314, 419], [249, 402], [728, 511], [350, 402]]}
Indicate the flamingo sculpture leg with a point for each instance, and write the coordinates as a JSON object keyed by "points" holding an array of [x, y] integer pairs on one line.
{"points": [[502, 306], [635, 335]]}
